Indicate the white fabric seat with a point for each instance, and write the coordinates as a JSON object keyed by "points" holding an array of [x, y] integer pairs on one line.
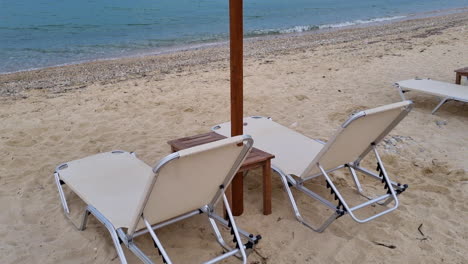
{"points": [[131, 198], [305, 158], [293, 151], [113, 182], [447, 91]]}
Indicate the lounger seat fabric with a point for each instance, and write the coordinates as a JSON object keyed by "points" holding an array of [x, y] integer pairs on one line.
{"points": [[115, 183], [132, 199], [438, 88], [293, 151], [111, 182], [298, 155]]}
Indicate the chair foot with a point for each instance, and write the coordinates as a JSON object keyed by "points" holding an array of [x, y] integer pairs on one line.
{"points": [[287, 187]]}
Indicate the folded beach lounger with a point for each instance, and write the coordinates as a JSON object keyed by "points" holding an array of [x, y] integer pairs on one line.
{"points": [[299, 158], [447, 91], [131, 198]]}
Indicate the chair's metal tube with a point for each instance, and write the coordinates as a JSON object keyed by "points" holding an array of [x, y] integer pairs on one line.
{"points": [[372, 174], [168, 222], [234, 228], [156, 240], [285, 178], [218, 235], [443, 101], [223, 256], [356, 179], [400, 91], [316, 196], [385, 175], [137, 251], [223, 222], [320, 174], [375, 200], [61, 194], [112, 232]]}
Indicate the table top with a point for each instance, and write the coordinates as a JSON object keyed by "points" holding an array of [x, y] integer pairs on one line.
{"points": [[462, 70], [255, 156]]}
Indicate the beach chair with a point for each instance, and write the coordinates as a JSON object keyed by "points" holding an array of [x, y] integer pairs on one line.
{"points": [[447, 91], [299, 159], [131, 198]]}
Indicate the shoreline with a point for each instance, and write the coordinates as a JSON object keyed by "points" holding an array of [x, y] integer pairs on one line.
{"points": [[310, 84], [80, 75], [265, 34]]}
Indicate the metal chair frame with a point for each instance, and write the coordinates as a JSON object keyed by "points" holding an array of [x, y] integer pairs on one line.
{"points": [[120, 236]]}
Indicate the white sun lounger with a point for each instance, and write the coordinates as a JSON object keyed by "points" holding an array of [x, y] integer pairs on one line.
{"points": [[131, 198], [299, 158], [447, 91]]}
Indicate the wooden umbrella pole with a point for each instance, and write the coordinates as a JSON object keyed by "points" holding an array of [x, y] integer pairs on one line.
{"points": [[236, 53]]}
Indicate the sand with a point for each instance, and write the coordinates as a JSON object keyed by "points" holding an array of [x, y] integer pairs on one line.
{"points": [[309, 82]]}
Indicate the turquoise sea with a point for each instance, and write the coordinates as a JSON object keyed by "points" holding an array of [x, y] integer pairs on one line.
{"points": [[42, 33]]}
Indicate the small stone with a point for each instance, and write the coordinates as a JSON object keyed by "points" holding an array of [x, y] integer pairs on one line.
{"points": [[441, 123], [301, 97], [438, 163], [392, 141]]}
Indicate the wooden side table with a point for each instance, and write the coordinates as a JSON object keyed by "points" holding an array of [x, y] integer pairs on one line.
{"points": [[255, 159], [459, 73]]}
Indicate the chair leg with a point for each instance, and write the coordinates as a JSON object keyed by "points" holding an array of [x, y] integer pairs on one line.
{"points": [[157, 242], [97, 214], [240, 250], [61, 194], [237, 237], [137, 251], [443, 101], [220, 220], [112, 231], [356, 180], [401, 92], [218, 235], [66, 210], [297, 213], [361, 191]]}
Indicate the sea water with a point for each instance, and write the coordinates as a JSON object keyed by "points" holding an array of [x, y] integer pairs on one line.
{"points": [[43, 33]]}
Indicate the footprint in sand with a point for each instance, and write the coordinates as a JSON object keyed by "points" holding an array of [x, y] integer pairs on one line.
{"points": [[26, 141]]}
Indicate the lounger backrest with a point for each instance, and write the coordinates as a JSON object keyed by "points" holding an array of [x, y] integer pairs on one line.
{"points": [[354, 138], [193, 177]]}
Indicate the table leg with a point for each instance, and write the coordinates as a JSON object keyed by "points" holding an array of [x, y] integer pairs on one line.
{"points": [[267, 187], [458, 78], [238, 194]]}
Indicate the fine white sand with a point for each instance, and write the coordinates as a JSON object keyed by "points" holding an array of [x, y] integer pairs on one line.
{"points": [[308, 83]]}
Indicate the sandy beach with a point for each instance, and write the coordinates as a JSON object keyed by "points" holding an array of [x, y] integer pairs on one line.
{"points": [[308, 82]]}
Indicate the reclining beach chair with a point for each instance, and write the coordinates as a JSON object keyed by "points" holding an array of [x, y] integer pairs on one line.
{"points": [[131, 198], [447, 91], [299, 159]]}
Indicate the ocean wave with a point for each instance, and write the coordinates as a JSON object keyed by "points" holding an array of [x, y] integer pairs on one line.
{"points": [[359, 22], [295, 29], [305, 28]]}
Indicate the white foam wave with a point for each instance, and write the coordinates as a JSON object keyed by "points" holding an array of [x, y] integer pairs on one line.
{"points": [[359, 22], [300, 29], [297, 29]]}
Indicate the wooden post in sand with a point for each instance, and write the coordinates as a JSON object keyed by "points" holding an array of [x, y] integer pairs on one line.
{"points": [[236, 54]]}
